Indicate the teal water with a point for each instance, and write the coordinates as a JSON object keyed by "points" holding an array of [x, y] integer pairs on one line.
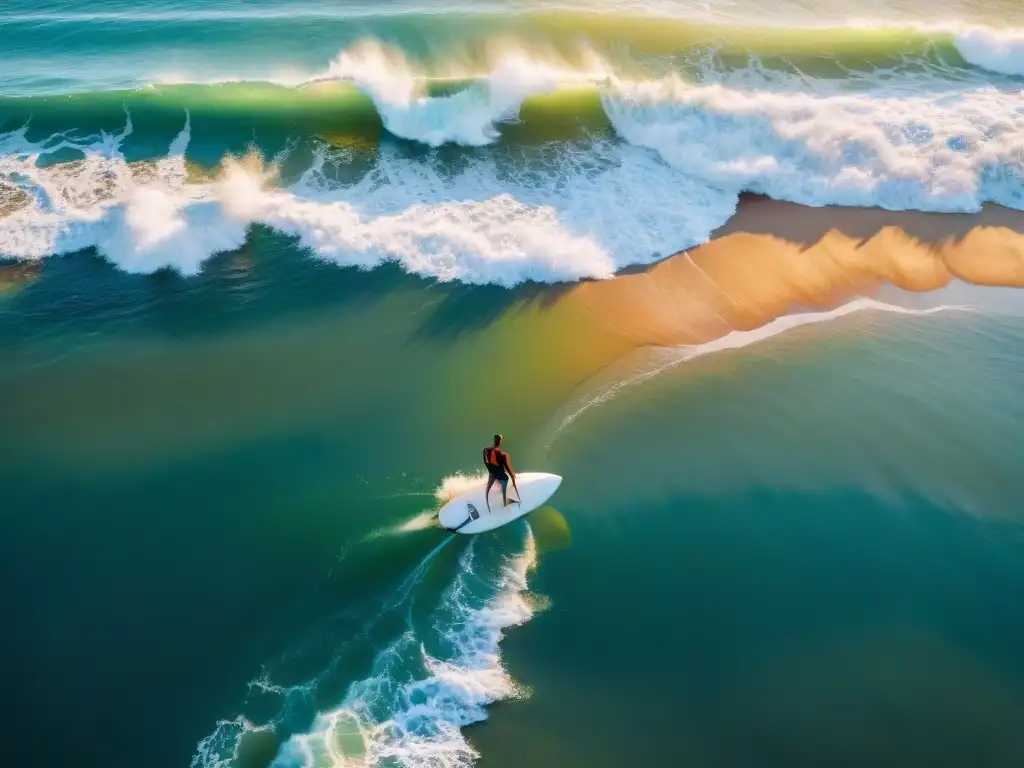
{"points": [[806, 549], [761, 587], [270, 275]]}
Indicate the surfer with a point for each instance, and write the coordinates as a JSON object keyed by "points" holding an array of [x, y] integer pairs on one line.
{"points": [[499, 467]]}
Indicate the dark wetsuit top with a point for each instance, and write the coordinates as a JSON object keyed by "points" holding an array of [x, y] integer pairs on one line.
{"points": [[496, 462]]}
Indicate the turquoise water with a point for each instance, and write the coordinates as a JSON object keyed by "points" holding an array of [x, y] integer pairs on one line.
{"points": [[271, 275]]}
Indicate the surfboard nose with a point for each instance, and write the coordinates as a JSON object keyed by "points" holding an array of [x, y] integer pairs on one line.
{"points": [[548, 483]]}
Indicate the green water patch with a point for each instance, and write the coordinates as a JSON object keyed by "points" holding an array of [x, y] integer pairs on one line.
{"points": [[582, 50], [237, 118], [223, 118]]}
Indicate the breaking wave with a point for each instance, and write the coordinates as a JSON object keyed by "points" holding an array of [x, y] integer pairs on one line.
{"points": [[551, 166]]}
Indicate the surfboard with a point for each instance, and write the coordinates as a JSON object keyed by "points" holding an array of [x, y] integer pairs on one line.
{"points": [[535, 488]]}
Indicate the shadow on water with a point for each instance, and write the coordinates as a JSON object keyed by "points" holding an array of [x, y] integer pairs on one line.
{"points": [[266, 279], [551, 530], [269, 278], [468, 308]]}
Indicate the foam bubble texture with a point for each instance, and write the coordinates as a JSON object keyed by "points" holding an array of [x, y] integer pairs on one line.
{"points": [[556, 213], [467, 117], [997, 50], [572, 213], [950, 151], [410, 710]]}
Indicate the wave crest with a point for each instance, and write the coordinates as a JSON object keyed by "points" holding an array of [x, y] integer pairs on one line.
{"points": [[947, 152], [664, 173], [468, 116], [488, 223], [997, 50]]}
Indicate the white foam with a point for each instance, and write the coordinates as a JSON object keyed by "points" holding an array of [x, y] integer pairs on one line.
{"points": [[544, 219], [997, 50], [946, 151], [410, 710], [667, 359], [220, 748], [96, 201], [422, 521], [560, 212], [469, 116], [458, 484], [450, 487]]}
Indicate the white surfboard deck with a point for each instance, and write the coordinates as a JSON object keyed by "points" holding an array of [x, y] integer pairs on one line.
{"points": [[535, 487]]}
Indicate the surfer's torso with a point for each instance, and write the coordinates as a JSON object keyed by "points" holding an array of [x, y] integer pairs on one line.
{"points": [[496, 461]]}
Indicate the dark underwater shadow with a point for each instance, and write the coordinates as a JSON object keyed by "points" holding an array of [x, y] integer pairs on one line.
{"points": [[269, 278], [467, 308]]}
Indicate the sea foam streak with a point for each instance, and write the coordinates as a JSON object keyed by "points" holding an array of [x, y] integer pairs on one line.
{"points": [[409, 710]]}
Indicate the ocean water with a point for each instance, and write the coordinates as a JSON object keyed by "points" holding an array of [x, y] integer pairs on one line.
{"points": [[271, 273]]}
